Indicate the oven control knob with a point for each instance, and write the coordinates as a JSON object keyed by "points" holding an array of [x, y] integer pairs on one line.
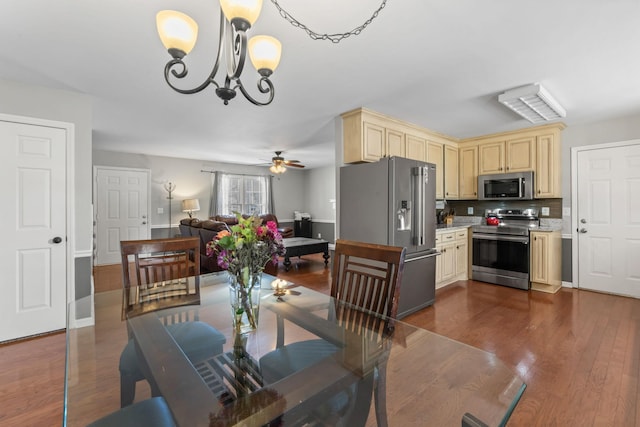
{"points": [[583, 230]]}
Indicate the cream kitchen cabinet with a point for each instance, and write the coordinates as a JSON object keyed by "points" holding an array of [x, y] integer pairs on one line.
{"points": [[416, 147], [451, 175], [468, 169], [452, 264], [435, 155], [369, 136], [514, 155], [545, 263], [548, 177]]}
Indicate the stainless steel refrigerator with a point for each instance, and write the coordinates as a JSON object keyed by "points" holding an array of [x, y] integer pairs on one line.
{"points": [[392, 202]]}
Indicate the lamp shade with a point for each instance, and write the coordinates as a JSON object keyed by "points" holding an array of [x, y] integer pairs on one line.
{"points": [[248, 10], [277, 169], [265, 52], [176, 30], [190, 205]]}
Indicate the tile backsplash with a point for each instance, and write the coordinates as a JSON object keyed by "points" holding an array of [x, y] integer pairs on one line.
{"points": [[461, 207]]}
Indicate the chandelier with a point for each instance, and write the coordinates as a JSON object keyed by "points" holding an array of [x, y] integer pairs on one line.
{"points": [[179, 32]]}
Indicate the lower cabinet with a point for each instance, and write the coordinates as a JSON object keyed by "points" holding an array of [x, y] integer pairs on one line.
{"points": [[452, 264], [545, 263]]}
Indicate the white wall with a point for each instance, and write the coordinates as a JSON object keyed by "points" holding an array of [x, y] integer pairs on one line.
{"points": [[288, 188], [64, 106]]}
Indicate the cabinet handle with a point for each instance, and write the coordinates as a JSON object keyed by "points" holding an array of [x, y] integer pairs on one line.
{"points": [[457, 247]]}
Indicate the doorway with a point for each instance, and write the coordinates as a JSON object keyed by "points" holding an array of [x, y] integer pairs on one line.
{"points": [[121, 203], [607, 218], [36, 253]]}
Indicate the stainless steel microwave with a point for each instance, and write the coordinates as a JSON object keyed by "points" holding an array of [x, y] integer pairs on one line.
{"points": [[506, 186]]}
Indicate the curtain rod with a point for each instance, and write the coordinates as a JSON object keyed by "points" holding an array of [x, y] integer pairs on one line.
{"points": [[234, 173]]}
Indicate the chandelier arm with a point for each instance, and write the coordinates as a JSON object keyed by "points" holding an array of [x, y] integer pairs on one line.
{"points": [[237, 51], [179, 74], [264, 86], [336, 37]]}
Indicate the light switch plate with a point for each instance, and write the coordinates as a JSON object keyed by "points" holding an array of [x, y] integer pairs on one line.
{"points": [[470, 210], [545, 211], [566, 211], [160, 211]]}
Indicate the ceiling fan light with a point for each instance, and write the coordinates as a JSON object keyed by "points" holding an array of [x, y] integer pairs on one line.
{"points": [[265, 52], [277, 168], [247, 10], [177, 31]]}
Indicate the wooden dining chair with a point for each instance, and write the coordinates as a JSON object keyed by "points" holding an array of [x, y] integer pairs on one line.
{"points": [[163, 274], [365, 285]]}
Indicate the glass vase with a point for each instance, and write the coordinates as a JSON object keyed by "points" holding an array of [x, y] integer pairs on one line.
{"points": [[244, 296]]}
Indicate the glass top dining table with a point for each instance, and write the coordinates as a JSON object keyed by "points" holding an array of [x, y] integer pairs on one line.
{"points": [[431, 380]]}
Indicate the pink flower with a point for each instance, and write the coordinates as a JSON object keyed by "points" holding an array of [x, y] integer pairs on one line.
{"points": [[272, 226]]}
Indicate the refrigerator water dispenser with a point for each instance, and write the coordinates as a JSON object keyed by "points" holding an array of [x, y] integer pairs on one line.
{"points": [[404, 215]]}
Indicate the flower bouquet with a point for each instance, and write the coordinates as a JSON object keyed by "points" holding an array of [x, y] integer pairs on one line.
{"points": [[243, 252]]}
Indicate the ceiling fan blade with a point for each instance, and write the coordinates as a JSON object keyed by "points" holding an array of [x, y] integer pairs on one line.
{"points": [[295, 165], [292, 161]]}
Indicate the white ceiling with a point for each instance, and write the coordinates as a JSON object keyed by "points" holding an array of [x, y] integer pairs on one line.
{"points": [[438, 64]]}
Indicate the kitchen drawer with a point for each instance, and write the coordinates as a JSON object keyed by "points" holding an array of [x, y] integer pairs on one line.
{"points": [[462, 235], [447, 237]]}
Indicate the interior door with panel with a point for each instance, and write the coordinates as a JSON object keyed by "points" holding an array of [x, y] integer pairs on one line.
{"points": [[122, 210], [608, 213], [33, 255]]}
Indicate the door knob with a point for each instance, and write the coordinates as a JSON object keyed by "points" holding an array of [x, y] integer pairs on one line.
{"points": [[57, 239], [583, 230], [144, 222], [583, 221]]}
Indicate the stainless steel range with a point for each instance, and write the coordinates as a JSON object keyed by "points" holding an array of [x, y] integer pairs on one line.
{"points": [[501, 247]]}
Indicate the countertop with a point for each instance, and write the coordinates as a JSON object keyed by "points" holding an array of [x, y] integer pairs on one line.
{"points": [[451, 227]]}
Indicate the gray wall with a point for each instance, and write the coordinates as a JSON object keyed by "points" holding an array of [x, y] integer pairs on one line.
{"points": [[612, 130], [288, 188], [320, 201], [71, 107]]}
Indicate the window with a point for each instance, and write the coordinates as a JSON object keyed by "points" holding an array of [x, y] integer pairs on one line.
{"points": [[247, 194]]}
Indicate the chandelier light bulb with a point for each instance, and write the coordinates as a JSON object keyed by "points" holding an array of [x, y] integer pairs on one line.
{"points": [[265, 52], [247, 10], [177, 31]]}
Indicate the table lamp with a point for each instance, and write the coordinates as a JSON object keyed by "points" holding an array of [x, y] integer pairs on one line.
{"points": [[190, 205]]}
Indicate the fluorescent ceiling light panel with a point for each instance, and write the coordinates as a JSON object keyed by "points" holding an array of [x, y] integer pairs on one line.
{"points": [[533, 102]]}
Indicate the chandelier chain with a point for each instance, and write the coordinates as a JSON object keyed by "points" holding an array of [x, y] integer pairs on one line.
{"points": [[335, 38]]}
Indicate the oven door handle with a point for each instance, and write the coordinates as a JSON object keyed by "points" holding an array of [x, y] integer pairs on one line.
{"points": [[503, 237]]}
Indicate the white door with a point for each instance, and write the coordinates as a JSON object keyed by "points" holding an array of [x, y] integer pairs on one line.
{"points": [[33, 256], [608, 216], [121, 206]]}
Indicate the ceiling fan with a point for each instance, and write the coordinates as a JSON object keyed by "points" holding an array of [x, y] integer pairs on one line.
{"points": [[279, 164]]}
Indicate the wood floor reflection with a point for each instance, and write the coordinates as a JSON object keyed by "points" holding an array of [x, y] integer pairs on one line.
{"points": [[578, 351]]}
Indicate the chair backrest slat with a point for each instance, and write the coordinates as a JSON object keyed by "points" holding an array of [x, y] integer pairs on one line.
{"points": [[165, 273], [367, 277]]}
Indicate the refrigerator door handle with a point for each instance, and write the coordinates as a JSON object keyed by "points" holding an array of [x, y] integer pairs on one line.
{"points": [[423, 257], [418, 176]]}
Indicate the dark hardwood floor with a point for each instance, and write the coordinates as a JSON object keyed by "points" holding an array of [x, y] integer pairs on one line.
{"points": [[578, 351]]}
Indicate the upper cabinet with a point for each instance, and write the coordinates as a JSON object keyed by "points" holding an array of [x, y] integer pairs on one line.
{"points": [[416, 147], [533, 149], [513, 155], [451, 187], [435, 155], [548, 176], [368, 136], [468, 166]]}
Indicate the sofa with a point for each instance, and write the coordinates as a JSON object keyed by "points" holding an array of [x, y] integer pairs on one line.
{"points": [[230, 220], [207, 231]]}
